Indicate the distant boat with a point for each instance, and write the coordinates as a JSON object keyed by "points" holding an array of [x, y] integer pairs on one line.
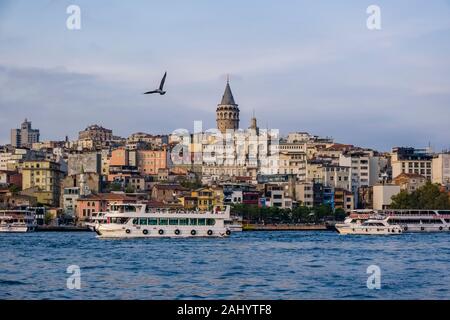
{"points": [[17, 221]]}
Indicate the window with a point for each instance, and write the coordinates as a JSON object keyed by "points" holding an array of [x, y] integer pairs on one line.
{"points": [[183, 222], [192, 222], [152, 221], [210, 222], [201, 222], [163, 222], [143, 221], [173, 222]]}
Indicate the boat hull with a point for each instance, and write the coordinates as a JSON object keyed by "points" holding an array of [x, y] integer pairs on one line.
{"points": [[18, 229], [360, 230], [110, 231]]}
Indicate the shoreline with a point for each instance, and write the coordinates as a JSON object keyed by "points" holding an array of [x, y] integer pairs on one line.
{"points": [[286, 227]]}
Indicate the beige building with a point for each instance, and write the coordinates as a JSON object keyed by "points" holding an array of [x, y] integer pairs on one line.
{"points": [[410, 160], [46, 177], [410, 181], [329, 175], [304, 194], [382, 194], [441, 169]]}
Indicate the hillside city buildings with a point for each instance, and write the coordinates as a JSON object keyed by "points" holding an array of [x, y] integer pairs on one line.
{"points": [[206, 168]]}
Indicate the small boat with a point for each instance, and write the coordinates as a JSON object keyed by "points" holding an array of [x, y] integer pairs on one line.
{"points": [[368, 227], [139, 221], [17, 221]]}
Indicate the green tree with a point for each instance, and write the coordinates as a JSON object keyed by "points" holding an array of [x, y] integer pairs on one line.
{"points": [[48, 217], [13, 189], [339, 214], [426, 197], [115, 186]]}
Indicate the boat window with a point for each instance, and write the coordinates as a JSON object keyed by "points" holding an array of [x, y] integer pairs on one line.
{"points": [[210, 222], [173, 222], [143, 222], [163, 222], [192, 222], [152, 221], [183, 222], [135, 221], [201, 222]]}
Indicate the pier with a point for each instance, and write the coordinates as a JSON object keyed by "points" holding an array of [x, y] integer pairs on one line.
{"points": [[61, 229], [286, 227]]}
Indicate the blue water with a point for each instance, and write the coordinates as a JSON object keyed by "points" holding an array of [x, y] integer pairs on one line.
{"points": [[249, 265]]}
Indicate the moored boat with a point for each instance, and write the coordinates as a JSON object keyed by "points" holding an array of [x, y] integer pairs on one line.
{"points": [[139, 221], [368, 227], [17, 221], [410, 220]]}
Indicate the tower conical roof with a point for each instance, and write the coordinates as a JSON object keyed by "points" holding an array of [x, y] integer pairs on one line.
{"points": [[227, 98]]}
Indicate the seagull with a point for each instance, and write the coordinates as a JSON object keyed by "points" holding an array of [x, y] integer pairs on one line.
{"points": [[161, 85]]}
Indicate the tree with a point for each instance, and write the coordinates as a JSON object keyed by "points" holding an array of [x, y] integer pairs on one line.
{"points": [[48, 217], [116, 186], [339, 214], [129, 189], [14, 189], [426, 197]]}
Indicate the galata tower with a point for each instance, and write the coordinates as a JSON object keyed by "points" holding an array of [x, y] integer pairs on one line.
{"points": [[227, 113]]}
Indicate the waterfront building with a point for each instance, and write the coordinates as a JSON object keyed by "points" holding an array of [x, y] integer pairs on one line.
{"points": [[382, 194], [276, 195], [304, 194], [411, 160], [441, 169], [410, 181], [70, 200], [46, 176], [328, 174], [344, 199], [25, 136]]}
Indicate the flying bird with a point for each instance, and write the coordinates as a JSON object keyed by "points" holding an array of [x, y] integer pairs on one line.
{"points": [[161, 86]]}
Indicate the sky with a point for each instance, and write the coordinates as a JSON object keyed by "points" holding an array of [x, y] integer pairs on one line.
{"points": [[299, 65]]}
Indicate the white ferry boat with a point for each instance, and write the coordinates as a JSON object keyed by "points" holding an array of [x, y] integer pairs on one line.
{"points": [[368, 227], [139, 221], [17, 221], [411, 220]]}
